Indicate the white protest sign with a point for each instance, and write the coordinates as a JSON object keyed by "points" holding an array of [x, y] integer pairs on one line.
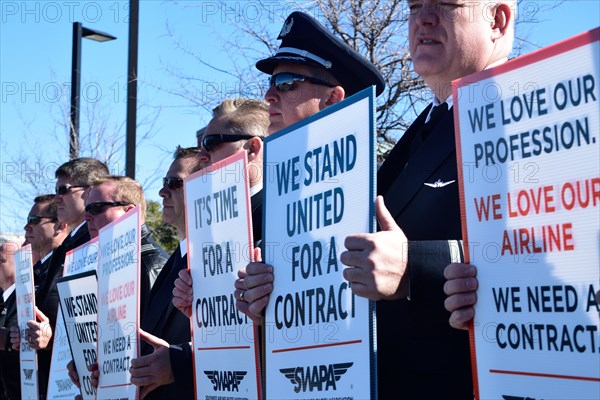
{"points": [[81, 259], [528, 144], [118, 313], [79, 306], [219, 243], [319, 188], [25, 290]]}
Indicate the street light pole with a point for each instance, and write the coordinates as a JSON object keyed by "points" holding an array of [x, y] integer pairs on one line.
{"points": [[79, 32], [132, 70]]}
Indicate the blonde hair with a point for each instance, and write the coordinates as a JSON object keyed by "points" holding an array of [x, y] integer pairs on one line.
{"points": [[126, 190], [244, 116]]}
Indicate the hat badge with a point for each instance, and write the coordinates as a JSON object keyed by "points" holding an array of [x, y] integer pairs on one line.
{"points": [[287, 27]]}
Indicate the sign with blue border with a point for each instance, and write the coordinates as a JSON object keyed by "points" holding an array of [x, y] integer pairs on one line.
{"points": [[319, 188]]}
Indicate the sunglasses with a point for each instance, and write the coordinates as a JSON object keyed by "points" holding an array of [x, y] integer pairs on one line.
{"points": [[286, 81], [172, 182], [64, 189], [36, 219], [100, 206], [211, 142]]}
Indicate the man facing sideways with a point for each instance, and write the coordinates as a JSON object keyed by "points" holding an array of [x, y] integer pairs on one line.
{"points": [[163, 323], [10, 376], [109, 198], [73, 180], [44, 233]]}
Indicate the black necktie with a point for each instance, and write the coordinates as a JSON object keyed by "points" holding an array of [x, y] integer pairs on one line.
{"points": [[436, 114]]}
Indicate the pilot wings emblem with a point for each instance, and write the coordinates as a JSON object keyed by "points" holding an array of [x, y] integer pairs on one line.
{"points": [[438, 184]]}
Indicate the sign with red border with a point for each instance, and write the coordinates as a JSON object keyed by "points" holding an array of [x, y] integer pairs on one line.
{"points": [[528, 144], [118, 305], [219, 243], [25, 290]]}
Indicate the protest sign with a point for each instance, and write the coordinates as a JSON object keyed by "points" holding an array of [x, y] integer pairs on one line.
{"points": [[81, 259], [79, 306], [219, 243], [528, 154], [118, 313], [25, 290], [319, 187]]}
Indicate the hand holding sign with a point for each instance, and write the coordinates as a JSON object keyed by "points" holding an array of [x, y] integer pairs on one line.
{"points": [[73, 375], [15, 337], [377, 261], [154, 370], [39, 334], [183, 294], [460, 287], [253, 287]]}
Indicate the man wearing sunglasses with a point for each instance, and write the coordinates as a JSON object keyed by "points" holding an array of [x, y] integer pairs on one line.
{"points": [[44, 233], [221, 138], [311, 70], [73, 179], [109, 198], [161, 372]]}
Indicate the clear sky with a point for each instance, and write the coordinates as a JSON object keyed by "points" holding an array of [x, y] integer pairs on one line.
{"points": [[35, 65]]}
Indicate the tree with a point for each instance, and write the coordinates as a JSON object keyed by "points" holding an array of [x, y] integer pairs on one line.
{"points": [[29, 170], [164, 233]]}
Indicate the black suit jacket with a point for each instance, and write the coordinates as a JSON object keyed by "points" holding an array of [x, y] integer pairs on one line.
{"points": [[46, 298], [10, 376], [421, 355], [40, 269], [162, 319], [153, 258], [256, 202]]}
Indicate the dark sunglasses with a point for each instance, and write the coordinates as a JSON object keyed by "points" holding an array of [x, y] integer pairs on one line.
{"points": [[64, 189], [286, 81], [36, 219], [100, 206], [211, 142], [172, 182]]}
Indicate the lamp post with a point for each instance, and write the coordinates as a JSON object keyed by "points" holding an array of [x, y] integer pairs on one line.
{"points": [[79, 32]]}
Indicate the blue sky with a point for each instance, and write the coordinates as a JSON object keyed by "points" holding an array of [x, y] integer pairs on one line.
{"points": [[35, 64]]}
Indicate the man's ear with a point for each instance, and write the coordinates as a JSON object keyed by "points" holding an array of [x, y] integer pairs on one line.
{"points": [[60, 227], [86, 192], [254, 147], [337, 94], [502, 16], [128, 207]]}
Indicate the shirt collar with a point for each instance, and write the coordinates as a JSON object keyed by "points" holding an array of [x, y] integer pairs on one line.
{"points": [[183, 248], [450, 100], [74, 231], [256, 188], [8, 292], [46, 257], [436, 103]]}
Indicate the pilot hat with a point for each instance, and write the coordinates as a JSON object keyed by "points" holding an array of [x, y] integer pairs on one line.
{"points": [[305, 41]]}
